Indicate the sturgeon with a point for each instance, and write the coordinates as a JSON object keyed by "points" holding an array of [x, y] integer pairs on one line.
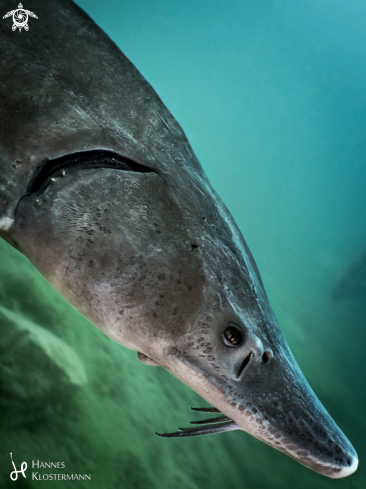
{"points": [[101, 191]]}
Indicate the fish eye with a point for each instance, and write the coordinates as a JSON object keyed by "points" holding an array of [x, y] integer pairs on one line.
{"points": [[233, 335]]}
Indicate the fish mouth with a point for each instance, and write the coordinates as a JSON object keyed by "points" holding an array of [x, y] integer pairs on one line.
{"points": [[345, 463], [49, 170]]}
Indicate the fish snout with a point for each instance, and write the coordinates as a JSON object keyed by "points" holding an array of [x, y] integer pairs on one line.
{"points": [[262, 391], [319, 445], [268, 396], [285, 413], [348, 462]]}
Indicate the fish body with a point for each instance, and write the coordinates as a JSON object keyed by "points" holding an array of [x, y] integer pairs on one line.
{"points": [[101, 191]]}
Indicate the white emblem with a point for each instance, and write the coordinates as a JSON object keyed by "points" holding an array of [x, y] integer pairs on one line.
{"points": [[20, 17], [14, 474]]}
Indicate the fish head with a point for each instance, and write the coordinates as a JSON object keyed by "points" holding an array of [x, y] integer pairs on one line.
{"points": [[236, 357], [156, 262]]}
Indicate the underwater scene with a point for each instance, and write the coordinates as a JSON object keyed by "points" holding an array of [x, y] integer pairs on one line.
{"points": [[271, 96]]}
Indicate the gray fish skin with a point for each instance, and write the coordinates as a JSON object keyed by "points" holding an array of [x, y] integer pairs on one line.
{"points": [[154, 260]]}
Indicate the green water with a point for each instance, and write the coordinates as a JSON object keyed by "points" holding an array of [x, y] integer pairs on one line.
{"points": [[272, 97]]}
